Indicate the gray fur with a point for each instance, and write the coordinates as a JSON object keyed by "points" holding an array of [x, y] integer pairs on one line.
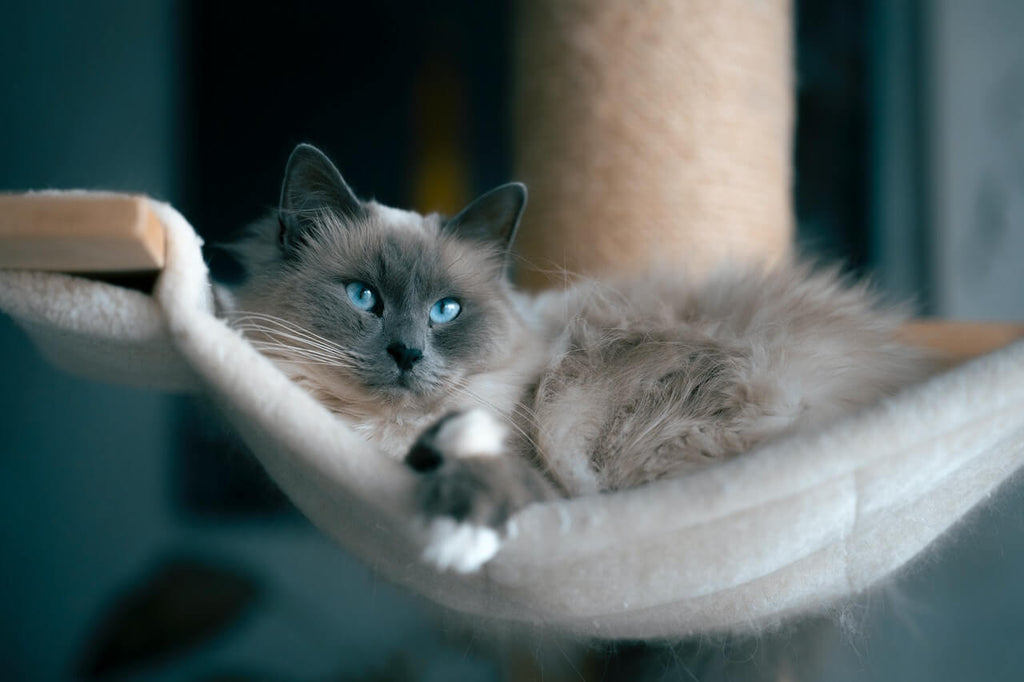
{"points": [[312, 187], [605, 385]]}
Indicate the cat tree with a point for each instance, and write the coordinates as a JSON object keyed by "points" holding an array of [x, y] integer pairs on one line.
{"points": [[648, 132]]}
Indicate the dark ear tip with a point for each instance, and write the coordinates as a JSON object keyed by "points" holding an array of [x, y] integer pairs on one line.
{"points": [[305, 147], [303, 152], [522, 195], [520, 189], [514, 193]]}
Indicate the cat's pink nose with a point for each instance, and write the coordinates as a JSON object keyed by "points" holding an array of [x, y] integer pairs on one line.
{"points": [[404, 356]]}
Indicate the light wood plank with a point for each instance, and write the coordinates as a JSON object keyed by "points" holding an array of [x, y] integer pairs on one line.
{"points": [[79, 232], [960, 341]]}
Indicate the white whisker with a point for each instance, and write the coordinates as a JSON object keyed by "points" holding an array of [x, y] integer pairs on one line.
{"points": [[298, 352], [291, 337], [461, 387], [289, 341], [256, 317]]}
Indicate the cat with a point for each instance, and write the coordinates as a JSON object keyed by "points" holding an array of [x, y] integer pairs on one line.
{"points": [[409, 328]]}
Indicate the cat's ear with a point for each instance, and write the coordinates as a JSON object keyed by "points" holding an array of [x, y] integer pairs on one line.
{"points": [[312, 185], [493, 217]]}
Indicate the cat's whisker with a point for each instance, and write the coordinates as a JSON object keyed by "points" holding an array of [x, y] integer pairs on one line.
{"points": [[461, 387], [278, 334], [281, 344], [555, 271], [289, 353], [262, 326], [243, 317], [273, 342], [270, 336], [290, 342], [305, 362], [259, 328], [298, 336], [522, 408]]}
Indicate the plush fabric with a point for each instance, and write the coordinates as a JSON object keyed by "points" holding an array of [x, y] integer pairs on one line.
{"points": [[788, 528], [96, 330]]}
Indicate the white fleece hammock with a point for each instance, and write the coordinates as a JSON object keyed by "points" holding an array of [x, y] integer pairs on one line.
{"points": [[790, 527]]}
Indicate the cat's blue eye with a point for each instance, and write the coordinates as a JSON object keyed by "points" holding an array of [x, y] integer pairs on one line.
{"points": [[445, 310], [361, 295]]}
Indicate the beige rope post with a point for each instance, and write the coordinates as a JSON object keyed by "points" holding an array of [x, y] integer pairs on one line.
{"points": [[653, 132]]}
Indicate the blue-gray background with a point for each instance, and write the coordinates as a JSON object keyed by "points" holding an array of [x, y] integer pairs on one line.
{"points": [[910, 163]]}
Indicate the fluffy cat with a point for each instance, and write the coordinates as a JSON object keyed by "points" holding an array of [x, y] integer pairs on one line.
{"points": [[408, 327]]}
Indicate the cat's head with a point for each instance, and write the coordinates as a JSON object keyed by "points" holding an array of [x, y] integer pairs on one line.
{"points": [[381, 303]]}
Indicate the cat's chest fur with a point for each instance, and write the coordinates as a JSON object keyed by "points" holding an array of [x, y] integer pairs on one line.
{"points": [[395, 425]]}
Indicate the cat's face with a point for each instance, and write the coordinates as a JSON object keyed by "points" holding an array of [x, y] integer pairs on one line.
{"points": [[381, 301]]}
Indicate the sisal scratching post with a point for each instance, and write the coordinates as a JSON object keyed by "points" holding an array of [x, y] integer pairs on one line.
{"points": [[653, 133]]}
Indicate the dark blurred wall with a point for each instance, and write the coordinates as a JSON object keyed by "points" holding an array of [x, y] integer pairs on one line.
{"points": [[87, 99], [89, 95], [380, 86]]}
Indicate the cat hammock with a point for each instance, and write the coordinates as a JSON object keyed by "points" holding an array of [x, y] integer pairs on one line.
{"points": [[790, 527]]}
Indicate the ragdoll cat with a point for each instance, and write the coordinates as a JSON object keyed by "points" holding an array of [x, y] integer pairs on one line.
{"points": [[408, 327]]}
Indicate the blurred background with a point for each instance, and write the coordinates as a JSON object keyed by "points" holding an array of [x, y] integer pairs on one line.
{"points": [[115, 503]]}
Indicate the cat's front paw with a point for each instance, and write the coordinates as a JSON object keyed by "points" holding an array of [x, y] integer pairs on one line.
{"points": [[469, 486]]}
